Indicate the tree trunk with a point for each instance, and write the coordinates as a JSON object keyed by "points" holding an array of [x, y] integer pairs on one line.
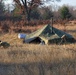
{"points": [[28, 16]]}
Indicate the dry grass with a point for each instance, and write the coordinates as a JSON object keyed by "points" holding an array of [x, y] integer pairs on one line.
{"points": [[31, 59]]}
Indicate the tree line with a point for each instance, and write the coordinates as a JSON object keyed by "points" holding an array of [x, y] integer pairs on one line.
{"points": [[32, 10]]}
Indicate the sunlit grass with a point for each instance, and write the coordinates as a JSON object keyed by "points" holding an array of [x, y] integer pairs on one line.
{"points": [[36, 59]]}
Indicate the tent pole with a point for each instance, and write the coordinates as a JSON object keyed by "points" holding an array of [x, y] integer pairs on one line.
{"points": [[52, 24]]}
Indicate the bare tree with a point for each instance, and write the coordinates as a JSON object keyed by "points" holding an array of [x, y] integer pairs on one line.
{"points": [[28, 5]]}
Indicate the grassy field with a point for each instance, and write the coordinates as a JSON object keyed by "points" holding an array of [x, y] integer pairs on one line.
{"points": [[35, 59]]}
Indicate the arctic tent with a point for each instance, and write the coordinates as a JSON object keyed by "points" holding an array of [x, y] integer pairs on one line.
{"points": [[48, 34]]}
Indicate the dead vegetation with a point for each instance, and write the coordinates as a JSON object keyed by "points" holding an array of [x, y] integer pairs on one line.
{"points": [[35, 59], [38, 60]]}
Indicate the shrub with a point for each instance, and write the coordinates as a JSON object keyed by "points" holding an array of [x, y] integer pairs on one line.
{"points": [[5, 28]]}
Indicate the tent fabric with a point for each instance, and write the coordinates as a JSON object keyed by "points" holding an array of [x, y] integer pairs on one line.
{"points": [[47, 34]]}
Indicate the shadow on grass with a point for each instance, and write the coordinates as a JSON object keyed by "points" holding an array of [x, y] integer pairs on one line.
{"points": [[64, 67]]}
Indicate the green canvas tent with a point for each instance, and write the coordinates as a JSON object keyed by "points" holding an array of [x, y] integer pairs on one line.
{"points": [[48, 34]]}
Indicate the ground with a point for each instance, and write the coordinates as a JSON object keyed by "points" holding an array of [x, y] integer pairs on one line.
{"points": [[33, 59]]}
